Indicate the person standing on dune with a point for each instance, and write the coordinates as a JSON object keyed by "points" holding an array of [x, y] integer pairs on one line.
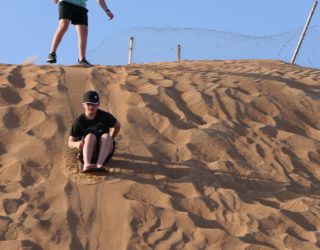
{"points": [[74, 11], [90, 133]]}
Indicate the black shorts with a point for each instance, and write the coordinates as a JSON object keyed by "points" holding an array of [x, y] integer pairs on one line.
{"points": [[76, 14]]}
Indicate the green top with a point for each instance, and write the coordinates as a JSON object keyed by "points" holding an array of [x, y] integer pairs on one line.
{"points": [[81, 3]]}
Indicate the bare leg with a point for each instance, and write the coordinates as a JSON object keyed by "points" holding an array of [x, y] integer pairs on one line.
{"points": [[61, 30], [88, 147], [106, 147], [82, 31]]}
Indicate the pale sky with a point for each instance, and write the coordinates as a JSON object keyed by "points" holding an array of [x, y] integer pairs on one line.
{"points": [[27, 27]]}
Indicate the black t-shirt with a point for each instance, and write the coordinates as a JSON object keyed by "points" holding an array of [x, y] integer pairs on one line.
{"points": [[101, 124]]}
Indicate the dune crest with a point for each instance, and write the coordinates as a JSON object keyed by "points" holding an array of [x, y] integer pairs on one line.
{"points": [[211, 155]]}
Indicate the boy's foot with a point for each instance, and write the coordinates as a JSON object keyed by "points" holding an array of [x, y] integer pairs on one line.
{"points": [[52, 58], [87, 168], [84, 62], [100, 166]]}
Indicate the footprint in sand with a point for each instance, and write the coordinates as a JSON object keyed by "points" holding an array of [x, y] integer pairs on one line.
{"points": [[10, 96], [16, 79], [5, 222], [2, 149], [11, 205], [33, 172], [11, 119], [38, 105]]}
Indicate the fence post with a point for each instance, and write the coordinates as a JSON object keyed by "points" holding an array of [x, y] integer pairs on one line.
{"points": [[178, 52], [130, 50], [304, 32]]}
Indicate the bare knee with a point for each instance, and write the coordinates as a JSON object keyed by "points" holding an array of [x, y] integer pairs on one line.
{"points": [[63, 25], [90, 137], [107, 140], [106, 136], [82, 31], [82, 28]]}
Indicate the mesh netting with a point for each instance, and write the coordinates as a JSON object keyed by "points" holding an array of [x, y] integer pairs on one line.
{"points": [[160, 45]]}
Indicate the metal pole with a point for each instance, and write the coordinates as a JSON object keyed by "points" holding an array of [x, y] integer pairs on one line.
{"points": [[130, 50], [304, 32], [178, 52]]}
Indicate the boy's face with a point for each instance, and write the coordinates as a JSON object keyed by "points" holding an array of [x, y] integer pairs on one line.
{"points": [[90, 109]]}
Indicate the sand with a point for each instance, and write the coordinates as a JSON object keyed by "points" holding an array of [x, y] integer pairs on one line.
{"points": [[211, 155]]}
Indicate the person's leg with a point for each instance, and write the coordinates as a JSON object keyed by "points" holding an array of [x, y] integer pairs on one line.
{"points": [[106, 146], [61, 30], [82, 31], [88, 148]]}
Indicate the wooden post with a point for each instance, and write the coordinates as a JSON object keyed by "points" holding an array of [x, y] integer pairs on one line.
{"points": [[304, 32], [130, 50], [178, 53]]}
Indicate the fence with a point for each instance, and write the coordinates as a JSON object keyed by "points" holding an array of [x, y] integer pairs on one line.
{"points": [[160, 45]]}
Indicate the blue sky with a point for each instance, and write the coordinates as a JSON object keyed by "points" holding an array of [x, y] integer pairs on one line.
{"points": [[27, 27]]}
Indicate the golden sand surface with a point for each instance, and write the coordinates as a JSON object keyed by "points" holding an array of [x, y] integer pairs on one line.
{"points": [[211, 155]]}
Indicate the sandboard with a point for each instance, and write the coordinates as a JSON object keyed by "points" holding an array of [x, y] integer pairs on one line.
{"points": [[73, 168], [96, 170]]}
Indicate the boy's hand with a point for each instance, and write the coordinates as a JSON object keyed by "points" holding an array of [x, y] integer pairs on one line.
{"points": [[80, 146], [110, 15]]}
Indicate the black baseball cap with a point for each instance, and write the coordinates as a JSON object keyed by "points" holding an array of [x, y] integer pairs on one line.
{"points": [[91, 97]]}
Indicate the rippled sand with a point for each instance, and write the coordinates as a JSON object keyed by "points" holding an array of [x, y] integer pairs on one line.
{"points": [[211, 155]]}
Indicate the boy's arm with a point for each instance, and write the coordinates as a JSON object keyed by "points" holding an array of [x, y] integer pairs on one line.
{"points": [[116, 130], [75, 143], [104, 6]]}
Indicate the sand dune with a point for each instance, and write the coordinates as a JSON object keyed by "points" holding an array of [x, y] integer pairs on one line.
{"points": [[211, 155]]}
